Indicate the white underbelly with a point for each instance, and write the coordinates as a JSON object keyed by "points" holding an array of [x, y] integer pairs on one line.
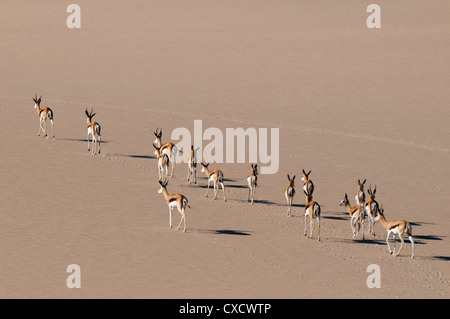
{"points": [[173, 204]]}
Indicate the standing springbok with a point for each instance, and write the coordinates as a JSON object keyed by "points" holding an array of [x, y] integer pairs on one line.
{"points": [[168, 148], [370, 208], [312, 210], [252, 181], [215, 176], [289, 193], [308, 186], [94, 130], [43, 114], [192, 165], [174, 200], [355, 216], [396, 227], [360, 196], [163, 162]]}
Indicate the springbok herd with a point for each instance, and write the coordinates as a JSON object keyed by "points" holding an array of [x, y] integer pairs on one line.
{"points": [[166, 156]]}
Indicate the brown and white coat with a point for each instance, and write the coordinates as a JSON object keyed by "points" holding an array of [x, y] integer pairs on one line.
{"points": [[312, 210], [396, 227], [94, 131], [252, 181], [355, 213], [43, 114], [174, 200], [215, 176], [289, 193], [168, 148]]}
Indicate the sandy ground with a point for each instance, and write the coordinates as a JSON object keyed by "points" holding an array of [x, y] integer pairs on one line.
{"points": [[350, 102]]}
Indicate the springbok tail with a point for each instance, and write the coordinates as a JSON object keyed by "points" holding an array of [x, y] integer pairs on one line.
{"points": [[174, 153], [185, 202], [409, 229], [317, 210]]}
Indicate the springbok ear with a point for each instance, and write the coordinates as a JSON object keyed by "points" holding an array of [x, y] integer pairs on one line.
{"points": [[309, 172], [364, 182], [39, 100], [86, 112], [288, 177], [293, 178], [345, 196], [304, 173], [93, 115], [374, 190]]}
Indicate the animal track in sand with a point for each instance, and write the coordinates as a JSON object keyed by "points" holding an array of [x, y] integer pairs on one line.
{"points": [[256, 124], [440, 192]]}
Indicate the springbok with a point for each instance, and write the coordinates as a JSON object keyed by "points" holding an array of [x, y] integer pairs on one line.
{"points": [[168, 148], [174, 200], [370, 208], [395, 227], [43, 114], [94, 130], [355, 216], [192, 165], [360, 196], [312, 210], [308, 186], [215, 176], [163, 162], [289, 193], [252, 181]]}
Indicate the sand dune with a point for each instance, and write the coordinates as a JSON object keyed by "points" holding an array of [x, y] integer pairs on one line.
{"points": [[350, 103]]}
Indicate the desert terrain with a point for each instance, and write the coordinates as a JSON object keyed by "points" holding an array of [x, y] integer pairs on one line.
{"points": [[350, 103]]}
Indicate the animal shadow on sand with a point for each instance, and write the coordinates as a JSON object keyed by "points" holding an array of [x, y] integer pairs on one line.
{"points": [[232, 232], [134, 156], [83, 140]]}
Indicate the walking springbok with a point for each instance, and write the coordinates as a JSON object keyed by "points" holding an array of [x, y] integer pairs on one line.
{"points": [[355, 216], [312, 210], [289, 193], [174, 200], [168, 148], [192, 166], [163, 162], [308, 186], [395, 227], [215, 176], [360, 196], [252, 181], [43, 114], [370, 208], [93, 129]]}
